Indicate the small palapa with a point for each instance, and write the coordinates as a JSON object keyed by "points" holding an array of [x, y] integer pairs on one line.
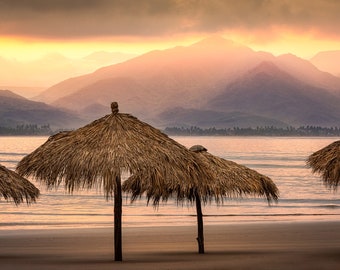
{"points": [[231, 180], [15, 187], [227, 179], [326, 162]]}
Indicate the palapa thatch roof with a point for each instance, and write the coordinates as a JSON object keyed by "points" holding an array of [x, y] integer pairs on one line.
{"points": [[226, 179], [326, 162], [235, 180], [98, 152], [15, 187]]}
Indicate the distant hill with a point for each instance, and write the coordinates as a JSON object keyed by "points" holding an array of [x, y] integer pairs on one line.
{"points": [[327, 61], [17, 110], [180, 117], [268, 91], [52, 68], [27, 92], [217, 80]]}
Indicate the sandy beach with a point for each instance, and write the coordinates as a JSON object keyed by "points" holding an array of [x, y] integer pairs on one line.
{"points": [[286, 245]]}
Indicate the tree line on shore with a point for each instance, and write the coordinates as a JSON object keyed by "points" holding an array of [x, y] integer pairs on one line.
{"points": [[45, 130], [26, 130], [258, 131]]}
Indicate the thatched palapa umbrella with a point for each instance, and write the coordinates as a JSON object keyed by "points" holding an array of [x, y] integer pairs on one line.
{"points": [[98, 153], [227, 179], [232, 180], [15, 187], [326, 162]]}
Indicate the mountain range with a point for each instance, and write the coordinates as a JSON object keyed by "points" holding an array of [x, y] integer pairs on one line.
{"points": [[212, 83], [32, 75], [327, 61], [17, 110]]}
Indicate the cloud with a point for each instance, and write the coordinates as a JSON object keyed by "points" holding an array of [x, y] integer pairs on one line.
{"points": [[65, 19]]}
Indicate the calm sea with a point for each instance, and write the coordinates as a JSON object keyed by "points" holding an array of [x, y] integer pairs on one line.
{"points": [[302, 194]]}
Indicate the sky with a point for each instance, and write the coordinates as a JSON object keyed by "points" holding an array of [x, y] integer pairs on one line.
{"points": [[32, 28], [43, 42]]}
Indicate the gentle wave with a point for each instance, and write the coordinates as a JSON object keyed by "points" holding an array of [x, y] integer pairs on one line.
{"points": [[55, 214], [12, 154], [8, 161], [278, 166], [266, 158], [331, 206], [272, 215], [15, 225]]}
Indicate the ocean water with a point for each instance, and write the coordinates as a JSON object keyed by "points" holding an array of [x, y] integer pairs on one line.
{"points": [[303, 197]]}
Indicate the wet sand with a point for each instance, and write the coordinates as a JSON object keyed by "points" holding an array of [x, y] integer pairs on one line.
{"points": [[270, 245]]}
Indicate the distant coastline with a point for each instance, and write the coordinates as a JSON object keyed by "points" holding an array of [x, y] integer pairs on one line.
{"points": [[303, 131], [26, 130]]}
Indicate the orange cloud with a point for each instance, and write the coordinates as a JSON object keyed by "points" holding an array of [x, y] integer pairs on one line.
{"points": [[76, 28], [151, 18]]}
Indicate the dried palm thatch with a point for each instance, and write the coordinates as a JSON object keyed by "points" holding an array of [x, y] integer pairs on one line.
{"points": [[235, 180], [15, 187], [326, 162], [97, 154]]}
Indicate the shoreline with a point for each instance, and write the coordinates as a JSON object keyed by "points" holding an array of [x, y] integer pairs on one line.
{"points": [[267, 245], [294, 218]]}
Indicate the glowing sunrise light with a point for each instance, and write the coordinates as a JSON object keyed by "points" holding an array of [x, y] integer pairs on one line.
{"points": [[282, 41], [31, 49]]}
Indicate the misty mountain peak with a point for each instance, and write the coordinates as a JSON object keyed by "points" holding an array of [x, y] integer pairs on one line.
{"points": [[265, 66], [9, 94], [268, 69]]}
